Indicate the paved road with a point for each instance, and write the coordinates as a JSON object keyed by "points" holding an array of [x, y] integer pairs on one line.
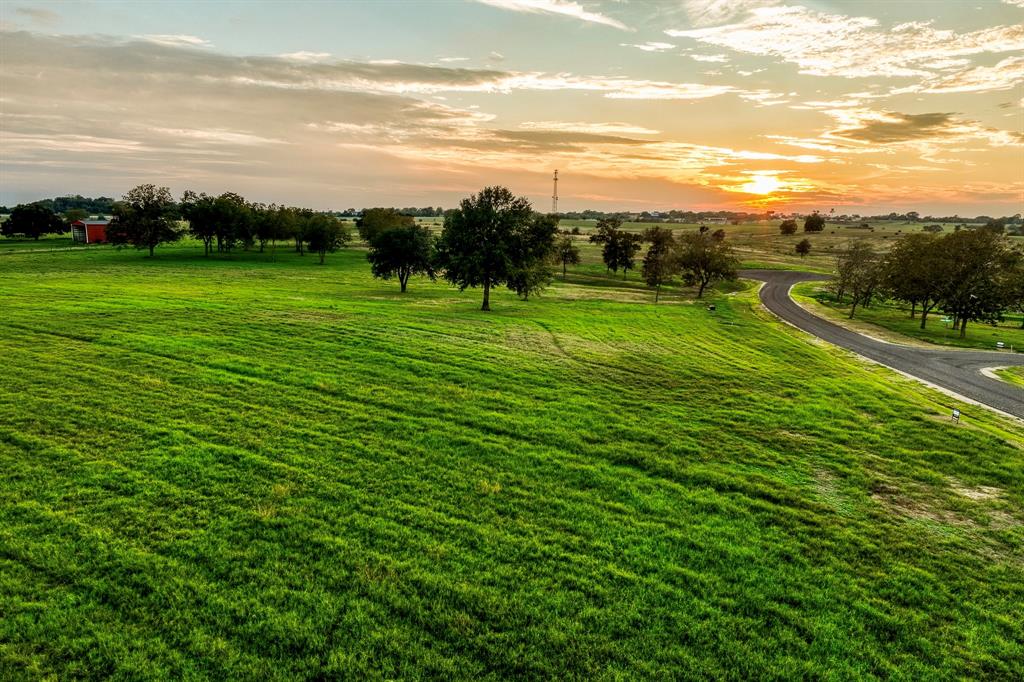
{"points": [[954, 370]]}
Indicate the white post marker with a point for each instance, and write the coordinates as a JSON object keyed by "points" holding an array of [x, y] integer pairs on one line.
{"points": [[956, 415]]}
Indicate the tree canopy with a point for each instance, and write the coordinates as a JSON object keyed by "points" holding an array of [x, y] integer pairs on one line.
{"points": [[145, 218], [325, 234], [661, 259], [377, 220], [402, 252], [32, 221], [814, 222], [704, 259], [486, 242]]}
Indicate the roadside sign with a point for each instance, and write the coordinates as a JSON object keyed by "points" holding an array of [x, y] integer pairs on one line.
{"points": [[1000, 345], [956, 415]]}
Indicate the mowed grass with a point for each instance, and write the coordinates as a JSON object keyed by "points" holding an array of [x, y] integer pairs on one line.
{"points": [[1014, 375], [895, 317], [243, 469]]}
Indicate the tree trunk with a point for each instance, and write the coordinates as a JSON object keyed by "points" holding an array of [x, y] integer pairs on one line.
{"points": [[700, 292], [563, 271], [913, 309], [151, 247], [487, 295], [322, 253], [963, 328], [853, 308], [403, 279], [924, 316], [657, 293]]}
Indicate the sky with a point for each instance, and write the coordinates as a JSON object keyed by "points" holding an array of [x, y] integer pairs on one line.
{"points": [[859, 106]]}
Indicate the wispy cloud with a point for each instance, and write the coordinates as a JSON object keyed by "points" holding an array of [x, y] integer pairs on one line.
{"points": [[177, 40], [719, 58], [824, 44], [39, 15], [611, 128], [564, 8], [650, 46]]}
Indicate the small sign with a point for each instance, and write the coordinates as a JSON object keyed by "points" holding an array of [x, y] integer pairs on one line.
{"points": [[1000, 344], [956, 415]]}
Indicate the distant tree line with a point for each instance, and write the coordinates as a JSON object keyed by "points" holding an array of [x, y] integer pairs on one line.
{"points": [[971, 275]]}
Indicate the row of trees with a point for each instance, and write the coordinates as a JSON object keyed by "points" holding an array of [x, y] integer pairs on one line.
{"points": [[148, 216], [971, 275]]}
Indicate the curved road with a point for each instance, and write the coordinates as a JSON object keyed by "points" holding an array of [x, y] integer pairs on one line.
{"points": [[958, 371]]}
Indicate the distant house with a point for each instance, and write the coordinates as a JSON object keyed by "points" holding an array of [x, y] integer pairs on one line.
{"points": [[89, 231]]}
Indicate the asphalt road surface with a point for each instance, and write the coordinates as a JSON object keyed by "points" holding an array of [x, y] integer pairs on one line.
{"points": [[958, 371]]}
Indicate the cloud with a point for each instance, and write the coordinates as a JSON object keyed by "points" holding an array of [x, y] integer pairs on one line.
{"points": [[558, 7], [895, 127], [649, 47], [447, 60], [1004, 75], [824, 44], [39, 15], [612, 128], [713, 12], [304, 56], [720, 58], [178, 40]]}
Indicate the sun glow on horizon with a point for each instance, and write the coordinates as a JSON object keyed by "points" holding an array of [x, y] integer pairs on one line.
{"points": [[762, 183]]}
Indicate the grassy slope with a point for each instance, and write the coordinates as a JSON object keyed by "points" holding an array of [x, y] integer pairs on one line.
{"points": [[252, 469], [896, 318], [1015, 375]]}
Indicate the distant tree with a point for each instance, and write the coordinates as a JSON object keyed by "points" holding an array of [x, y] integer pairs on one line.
{"points": [[233, 222], [932, 228], [481, 243], [627, 246], [201, 213], [377, 220], [566, 253], [803, 247], [1013, 286], [401, 252], [814, 222], [718, 235], [75, 214], [32, 221], [531, 271], [661, 259], [324, 234], [705, 260], [975, 290], [917, 270], [858, 274], [607, 234], [301, 217], [787, 227], [145, 218]]}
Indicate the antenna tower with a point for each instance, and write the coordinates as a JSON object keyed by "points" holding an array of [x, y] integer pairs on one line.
{"points": [[554, 195]]}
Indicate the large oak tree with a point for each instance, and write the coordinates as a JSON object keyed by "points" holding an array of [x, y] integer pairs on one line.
{"points": [[487, 242]]}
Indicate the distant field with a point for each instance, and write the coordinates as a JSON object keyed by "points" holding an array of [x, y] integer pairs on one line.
{"points": [[895, 317], [238, 468]]}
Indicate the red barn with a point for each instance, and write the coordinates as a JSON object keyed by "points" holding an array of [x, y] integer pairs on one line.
{"points": [[89, 231]]}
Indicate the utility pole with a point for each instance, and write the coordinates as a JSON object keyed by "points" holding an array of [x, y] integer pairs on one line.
{"points": [[554, 195]]}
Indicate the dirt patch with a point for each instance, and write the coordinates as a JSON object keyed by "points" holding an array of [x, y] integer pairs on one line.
{"points": [[981, 492]]}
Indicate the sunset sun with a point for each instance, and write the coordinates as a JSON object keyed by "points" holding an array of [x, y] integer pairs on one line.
{"points": [[762, 184]]}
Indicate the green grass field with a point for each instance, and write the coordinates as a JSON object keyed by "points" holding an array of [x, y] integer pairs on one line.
{"points": [[895, 317], [233, 468], [1014, 375]]}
